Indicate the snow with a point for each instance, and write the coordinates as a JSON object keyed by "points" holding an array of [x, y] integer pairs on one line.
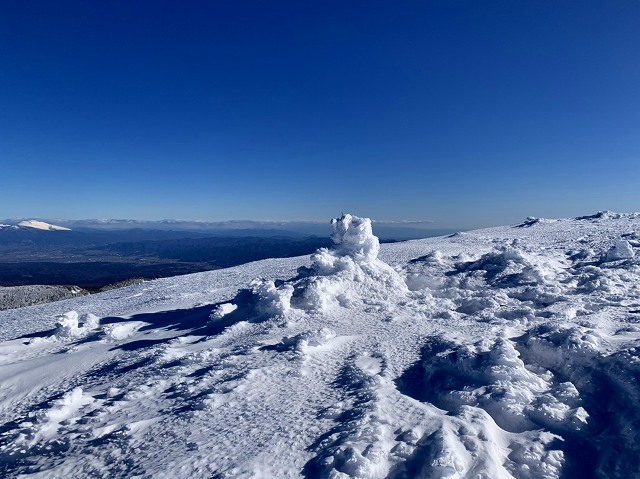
{"points": [[354, 238], [621, 250], [222, 310], [509, 352], [41, 225]]}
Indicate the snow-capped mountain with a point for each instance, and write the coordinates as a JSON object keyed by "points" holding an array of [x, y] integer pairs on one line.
{"points": [[497, 353], [35, 224], [41, 225]]}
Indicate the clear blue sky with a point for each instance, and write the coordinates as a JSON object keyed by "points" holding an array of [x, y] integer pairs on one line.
{"points": [[467, 113]]}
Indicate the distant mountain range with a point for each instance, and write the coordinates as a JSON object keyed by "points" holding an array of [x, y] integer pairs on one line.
{"points": [[93, 254], [34, 252], [33, 224], [386, 230]]}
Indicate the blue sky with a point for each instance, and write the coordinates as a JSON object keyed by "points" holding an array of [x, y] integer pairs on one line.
{"points": [[466, 113]]}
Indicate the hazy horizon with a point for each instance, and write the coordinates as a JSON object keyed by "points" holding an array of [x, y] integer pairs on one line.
{"points": [[296, 224]]}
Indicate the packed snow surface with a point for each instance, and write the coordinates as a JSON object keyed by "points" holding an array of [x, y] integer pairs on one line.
{"points": [[41, 225], [497, 353]]}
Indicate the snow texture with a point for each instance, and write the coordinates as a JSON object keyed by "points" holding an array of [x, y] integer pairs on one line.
{"points": [[508, 352]]}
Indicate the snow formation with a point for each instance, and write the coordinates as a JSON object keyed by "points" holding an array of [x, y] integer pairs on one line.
{"points": [[508, 352], [347, 275]]}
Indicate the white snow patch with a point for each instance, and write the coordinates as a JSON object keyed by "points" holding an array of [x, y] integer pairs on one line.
{"points": [[313, 339], [49, 421], [222, 310], [123, 330]]}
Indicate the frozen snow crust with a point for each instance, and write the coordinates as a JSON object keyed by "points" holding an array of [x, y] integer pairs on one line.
{"points": [[497, 353]]}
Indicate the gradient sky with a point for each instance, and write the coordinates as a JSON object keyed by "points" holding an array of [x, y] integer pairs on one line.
{"points": [[467, 113]]}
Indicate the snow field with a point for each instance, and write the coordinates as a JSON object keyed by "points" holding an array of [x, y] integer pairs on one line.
{"points": [[499, 353]]}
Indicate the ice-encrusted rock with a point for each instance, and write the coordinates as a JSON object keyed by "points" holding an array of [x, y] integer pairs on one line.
{"points": [[531, 221]]}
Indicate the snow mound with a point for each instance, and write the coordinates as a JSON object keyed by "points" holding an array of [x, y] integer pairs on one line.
{"points": [[222, 310], [353, 237], [606, 383], [120, 331], [41, 225], [338, 277], [621, 250], [314, 339], [493, 376], [306, 341], [510, 266], [68, 326], [272, 301]]}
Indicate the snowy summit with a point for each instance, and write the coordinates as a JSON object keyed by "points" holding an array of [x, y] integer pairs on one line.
{"points": [[509, 352], [41, 225]]}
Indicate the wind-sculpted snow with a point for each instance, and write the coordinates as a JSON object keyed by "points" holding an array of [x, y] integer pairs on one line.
{"points": [[346, 276], [621, 250], [502, 353], [354, 238]]}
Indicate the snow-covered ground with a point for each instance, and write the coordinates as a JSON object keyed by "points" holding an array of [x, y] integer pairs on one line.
{"points": [[504, 352]]}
